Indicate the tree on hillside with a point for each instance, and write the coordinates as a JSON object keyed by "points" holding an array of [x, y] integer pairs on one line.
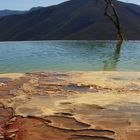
{"points": [[111, 12]]}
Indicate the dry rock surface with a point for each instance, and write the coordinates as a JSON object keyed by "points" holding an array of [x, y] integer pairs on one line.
{"points": [[70, 106]]}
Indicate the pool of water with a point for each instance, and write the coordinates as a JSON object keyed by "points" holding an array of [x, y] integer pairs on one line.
{"points": [[33, 56]]}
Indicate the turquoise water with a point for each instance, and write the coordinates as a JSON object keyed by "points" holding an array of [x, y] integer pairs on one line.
{"points": [[69, 56]]}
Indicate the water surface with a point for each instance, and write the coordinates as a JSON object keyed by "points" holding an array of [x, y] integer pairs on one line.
{"points": [[33, 56]]}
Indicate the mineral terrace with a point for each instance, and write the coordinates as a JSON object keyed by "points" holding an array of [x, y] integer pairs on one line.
{"points": [[70, 106]]}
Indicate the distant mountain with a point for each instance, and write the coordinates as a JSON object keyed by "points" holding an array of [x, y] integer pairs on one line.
{"points": [[10, 12], [74, 19]]}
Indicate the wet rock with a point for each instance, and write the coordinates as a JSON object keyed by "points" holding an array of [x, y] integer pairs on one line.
{"points": [[5, 80], [83, 108], [67, 122], [84, 137], [79, 88], [70, 111], [64, 114], [29, 111], [11, 86], [66, 103], [5, 115], [39, 129]]}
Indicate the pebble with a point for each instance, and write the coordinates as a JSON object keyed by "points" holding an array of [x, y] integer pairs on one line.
{"points": [[13, 119], [1, 137], [13, 130], [12, 135]]}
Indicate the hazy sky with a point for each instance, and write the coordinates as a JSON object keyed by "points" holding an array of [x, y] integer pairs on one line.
{"points": [[27, 4]]}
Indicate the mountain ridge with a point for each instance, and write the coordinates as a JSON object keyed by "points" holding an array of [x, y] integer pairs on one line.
{"points": [[8, 12], [71, 20]]}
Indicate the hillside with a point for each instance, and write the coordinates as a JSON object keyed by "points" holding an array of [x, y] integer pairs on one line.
{"points": [[74, 19]]}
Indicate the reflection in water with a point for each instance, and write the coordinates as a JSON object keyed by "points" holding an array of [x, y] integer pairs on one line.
{"points": [[111, 63], [69, 56]]}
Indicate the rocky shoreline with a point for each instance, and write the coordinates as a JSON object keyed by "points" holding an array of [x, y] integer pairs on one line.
{"points": [[70, 106]]}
